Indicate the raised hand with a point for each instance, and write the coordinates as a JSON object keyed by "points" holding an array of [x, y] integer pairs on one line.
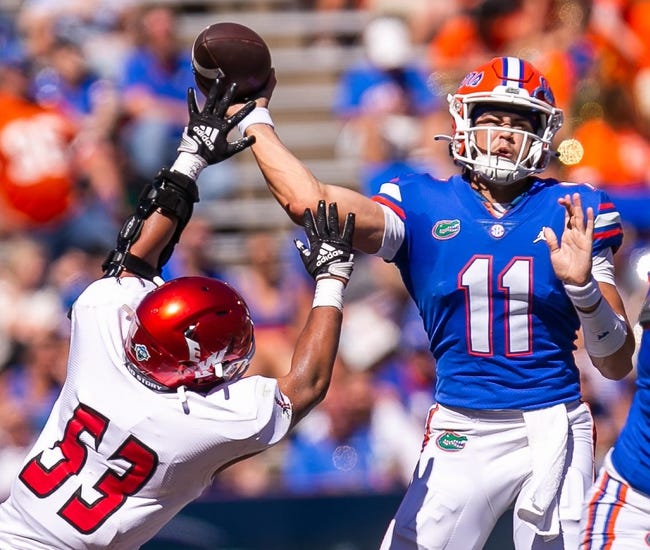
{"points": [[330, 250], [571, 258], [206, 133]]}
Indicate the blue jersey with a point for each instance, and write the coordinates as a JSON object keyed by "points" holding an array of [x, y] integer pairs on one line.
{"points": [[501, 327], [631, 454]]}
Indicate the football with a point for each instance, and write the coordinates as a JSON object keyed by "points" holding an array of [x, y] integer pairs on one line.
{"points": [[233, 52]]}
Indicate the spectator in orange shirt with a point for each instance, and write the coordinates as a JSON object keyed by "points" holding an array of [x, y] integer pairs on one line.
{"points": [[615, 151], [35, 178], [41, 172]]}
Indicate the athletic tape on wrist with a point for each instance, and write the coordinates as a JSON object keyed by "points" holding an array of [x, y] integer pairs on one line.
{"points": [[584, 297], [329, 292], [259, 115], [189, 164], [339, 269]]}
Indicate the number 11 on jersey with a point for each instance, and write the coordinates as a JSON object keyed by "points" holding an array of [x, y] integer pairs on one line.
{"points": [[513, 289]]}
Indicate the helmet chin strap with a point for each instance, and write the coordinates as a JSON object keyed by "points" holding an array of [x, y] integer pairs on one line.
{"points": [[182, 397], [497, 170]]}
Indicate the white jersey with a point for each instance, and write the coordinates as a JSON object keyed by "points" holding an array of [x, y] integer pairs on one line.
{"points": [[116, 460]]}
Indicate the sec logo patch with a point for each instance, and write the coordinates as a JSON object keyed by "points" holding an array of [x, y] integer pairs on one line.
{"points": [[497, 231]]}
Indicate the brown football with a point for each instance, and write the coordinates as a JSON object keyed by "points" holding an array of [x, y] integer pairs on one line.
{"points": [[233, 52]]}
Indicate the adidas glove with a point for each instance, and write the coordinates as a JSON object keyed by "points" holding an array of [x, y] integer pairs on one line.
{"points": [[205, 136], [330, 251]]}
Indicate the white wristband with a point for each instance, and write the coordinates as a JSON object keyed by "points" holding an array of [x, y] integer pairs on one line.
{"points": [[584, 297], [189, 164], [329, 292], [259, 115]]}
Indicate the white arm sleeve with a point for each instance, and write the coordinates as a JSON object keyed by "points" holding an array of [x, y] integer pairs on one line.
{"points": [[603, 266], [394, 232]]}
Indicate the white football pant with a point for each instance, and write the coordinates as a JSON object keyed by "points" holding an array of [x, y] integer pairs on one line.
{"points": [[474, 466]]}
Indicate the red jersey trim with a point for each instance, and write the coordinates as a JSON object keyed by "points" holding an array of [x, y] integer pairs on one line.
{"points": [[389, 204]]}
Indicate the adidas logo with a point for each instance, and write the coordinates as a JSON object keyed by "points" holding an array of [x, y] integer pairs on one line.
{"points": [[326, 253], [208, 135]]}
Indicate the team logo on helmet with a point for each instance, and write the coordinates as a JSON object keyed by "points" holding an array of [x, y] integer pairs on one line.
{"points": [[543, 91], [445, 229], [472, 79], [450, 441], [141, 352]]}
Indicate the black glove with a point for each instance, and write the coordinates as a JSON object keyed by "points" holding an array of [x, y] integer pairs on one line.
{"points": [[330, 252], [207, 130]]}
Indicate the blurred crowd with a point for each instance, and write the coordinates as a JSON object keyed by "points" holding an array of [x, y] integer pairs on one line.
{"points": [[92, 105]]}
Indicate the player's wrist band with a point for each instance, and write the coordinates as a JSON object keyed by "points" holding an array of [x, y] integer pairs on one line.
{"points": [[584, 297], [604, 331], [259, 115], [189, 164], [329, 292]]}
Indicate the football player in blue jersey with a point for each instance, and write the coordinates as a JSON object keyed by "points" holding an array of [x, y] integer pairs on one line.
{"points": [[505, 267], [617, 512]]}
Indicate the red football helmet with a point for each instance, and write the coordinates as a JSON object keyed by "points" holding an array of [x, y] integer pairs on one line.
{"points": [[192, 331], [507, 83]]}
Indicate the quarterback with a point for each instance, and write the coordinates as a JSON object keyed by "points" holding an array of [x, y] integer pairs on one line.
{"points": [[505, 266]]}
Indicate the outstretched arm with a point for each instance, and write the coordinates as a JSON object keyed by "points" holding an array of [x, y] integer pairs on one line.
{"points": [[296, 188], [608, 337], [148, 237], [329, 260]]}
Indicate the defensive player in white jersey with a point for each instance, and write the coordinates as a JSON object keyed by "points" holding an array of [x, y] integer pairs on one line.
{"points": [[504, 267], [617, 510], [155, 401]]}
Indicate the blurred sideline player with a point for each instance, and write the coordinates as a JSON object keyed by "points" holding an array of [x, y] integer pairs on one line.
{"points": [[155, 402], [617, 511], [504, 267]]}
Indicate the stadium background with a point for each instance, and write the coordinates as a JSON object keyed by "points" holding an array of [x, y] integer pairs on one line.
{"points": [[597, 57]]}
